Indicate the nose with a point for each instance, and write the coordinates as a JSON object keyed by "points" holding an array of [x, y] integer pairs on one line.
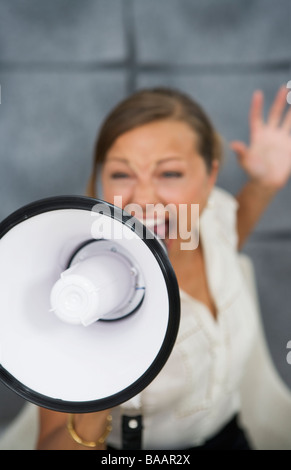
{"points": [[144, 193]]}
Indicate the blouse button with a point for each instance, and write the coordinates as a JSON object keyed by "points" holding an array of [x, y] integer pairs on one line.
{"points": [[132, 423]]}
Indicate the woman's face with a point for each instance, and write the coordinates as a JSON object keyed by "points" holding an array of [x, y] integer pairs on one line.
{"points": [[157, 167]]}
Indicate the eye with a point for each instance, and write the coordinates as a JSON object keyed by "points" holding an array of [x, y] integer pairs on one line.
{"points": [[172, 174], [119, 175]]}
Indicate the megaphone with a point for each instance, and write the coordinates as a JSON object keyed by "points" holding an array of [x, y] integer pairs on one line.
{"points": [[90, 305]]}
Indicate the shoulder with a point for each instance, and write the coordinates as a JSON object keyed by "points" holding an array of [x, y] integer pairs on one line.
{"points": [[222, 200]]}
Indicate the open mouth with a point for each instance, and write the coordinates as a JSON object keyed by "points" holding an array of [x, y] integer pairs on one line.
{"points": [[159, 226]]}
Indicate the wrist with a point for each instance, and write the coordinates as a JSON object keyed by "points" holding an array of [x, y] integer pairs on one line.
{"points": [[262, 189], [87, 431]]}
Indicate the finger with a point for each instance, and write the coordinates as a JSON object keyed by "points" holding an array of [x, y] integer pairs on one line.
{"points": [[239, 148], [256, 111], [278, 106], [286, 124], [241, 151]]}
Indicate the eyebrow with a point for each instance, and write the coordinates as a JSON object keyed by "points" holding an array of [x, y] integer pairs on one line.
{"points": [[168, 159], [163, 160]]}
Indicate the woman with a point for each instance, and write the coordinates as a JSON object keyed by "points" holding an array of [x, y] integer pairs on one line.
{"points": [[159, 147]]}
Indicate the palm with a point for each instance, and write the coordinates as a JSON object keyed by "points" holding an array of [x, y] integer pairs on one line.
{"points": [[267, 159]]}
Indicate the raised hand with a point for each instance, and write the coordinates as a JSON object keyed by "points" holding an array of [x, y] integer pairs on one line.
{"points": [[267, 159]]}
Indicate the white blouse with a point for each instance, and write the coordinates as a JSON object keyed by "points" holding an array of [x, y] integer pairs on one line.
{"points": [[197, 391]]}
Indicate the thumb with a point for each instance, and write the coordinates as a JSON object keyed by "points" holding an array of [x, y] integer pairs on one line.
{"points": [[240, 148]]}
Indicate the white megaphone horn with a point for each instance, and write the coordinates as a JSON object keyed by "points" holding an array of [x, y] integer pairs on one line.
{"points": [[90, 305]]}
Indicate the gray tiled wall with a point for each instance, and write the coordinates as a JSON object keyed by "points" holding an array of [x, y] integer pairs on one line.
{"points": [[65, 63], [209, 32], [62, 32], [48, 124]]}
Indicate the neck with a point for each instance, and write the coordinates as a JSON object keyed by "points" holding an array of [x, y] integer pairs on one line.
{"points": [[179, 256]]}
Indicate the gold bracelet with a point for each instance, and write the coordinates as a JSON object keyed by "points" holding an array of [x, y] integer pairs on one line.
{"points": [[79, 440]]}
